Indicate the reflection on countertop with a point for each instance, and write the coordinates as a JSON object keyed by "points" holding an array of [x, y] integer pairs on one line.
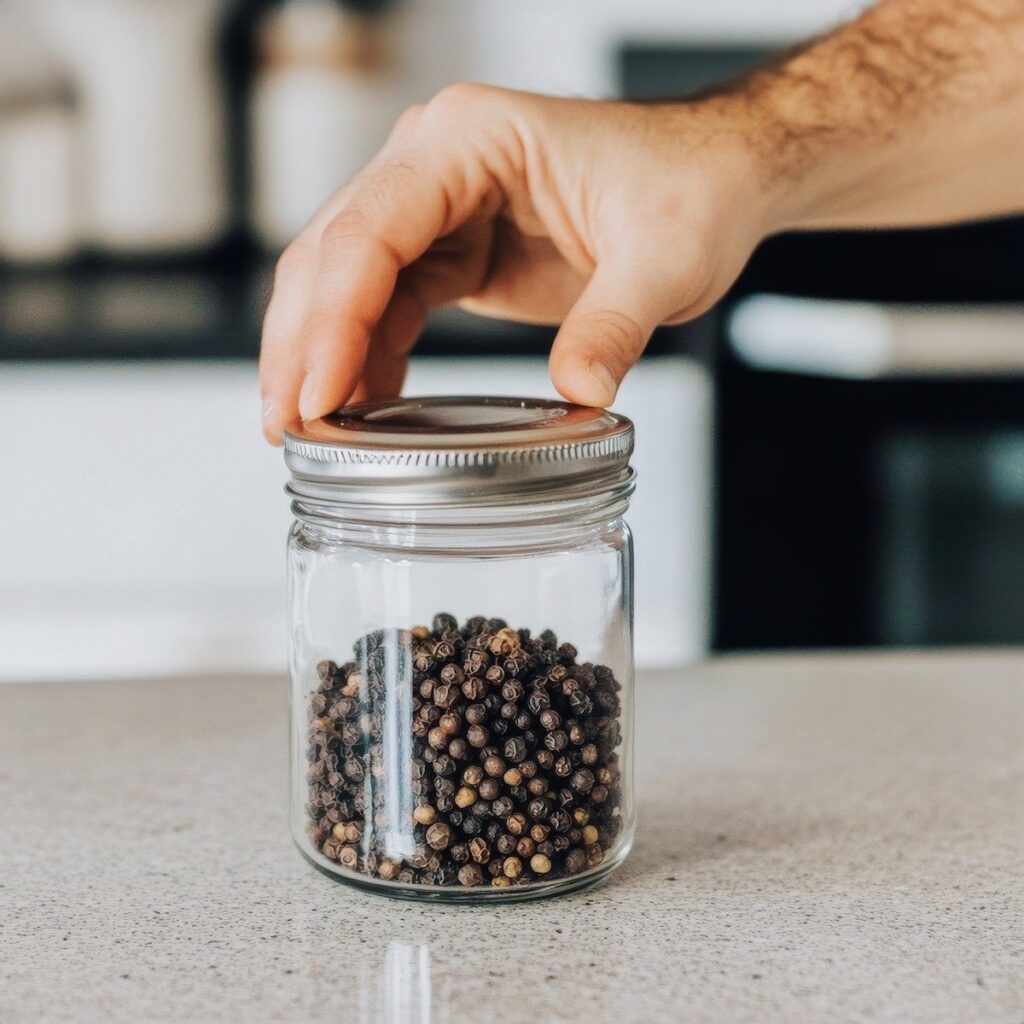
{"points": [[821, 838]]}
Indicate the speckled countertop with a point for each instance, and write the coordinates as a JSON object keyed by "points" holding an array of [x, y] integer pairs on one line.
{"points": [[821, 839]]}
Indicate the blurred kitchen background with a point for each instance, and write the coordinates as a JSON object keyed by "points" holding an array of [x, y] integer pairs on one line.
{"points": [[833, 457]]}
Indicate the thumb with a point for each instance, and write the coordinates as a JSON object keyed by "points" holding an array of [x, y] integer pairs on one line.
{"points": [[604, 334]]}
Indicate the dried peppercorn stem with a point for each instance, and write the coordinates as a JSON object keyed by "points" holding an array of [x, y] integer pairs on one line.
{"points": [[513, 770]]}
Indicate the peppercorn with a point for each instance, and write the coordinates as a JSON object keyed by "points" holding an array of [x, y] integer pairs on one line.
{"points": [[512, 867], [505, 843], [516, 823], [549, 719], [583, 781], [479, 850], [474, 688], [557, 740], [538, 745], [539, 809], [515, 749], [575, 861], [439, 836], [424, 815], [489, 788], [540, 863], [526, 847], [477, 736], [560, 821], [450, 723], [538, 701], [512, 690], [502, 807], [470, 874]]}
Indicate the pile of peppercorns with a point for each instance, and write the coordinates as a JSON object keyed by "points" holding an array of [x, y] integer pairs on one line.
{"points": [[506, 748]]}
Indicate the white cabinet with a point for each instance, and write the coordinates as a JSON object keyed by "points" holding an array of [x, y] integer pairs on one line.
{"points": [[144, 518]]}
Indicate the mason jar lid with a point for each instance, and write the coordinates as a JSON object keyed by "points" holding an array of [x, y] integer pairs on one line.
{"points": [[458, 450]]}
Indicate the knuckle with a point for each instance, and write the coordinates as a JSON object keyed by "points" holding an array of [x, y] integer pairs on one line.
{"points": [[290, 262], [455, 100], [408, 119], [621, 338]]}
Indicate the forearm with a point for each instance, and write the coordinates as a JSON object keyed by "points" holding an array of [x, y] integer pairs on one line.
{"points": [[912, 114]]}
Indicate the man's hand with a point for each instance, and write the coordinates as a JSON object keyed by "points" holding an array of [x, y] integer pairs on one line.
{"points": [[612, 218], [607, 218]]}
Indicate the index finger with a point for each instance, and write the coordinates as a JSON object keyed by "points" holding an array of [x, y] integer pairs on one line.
{"points": [[416, 191]]}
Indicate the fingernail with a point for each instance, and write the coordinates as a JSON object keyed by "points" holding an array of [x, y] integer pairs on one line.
{"points": [[607, 385], [268, 409], [306, 409]]}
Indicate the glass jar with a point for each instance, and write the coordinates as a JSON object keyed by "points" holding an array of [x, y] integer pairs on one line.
{"points": [[460, 580]]}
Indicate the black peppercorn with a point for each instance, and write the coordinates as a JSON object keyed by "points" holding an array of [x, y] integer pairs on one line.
{"points": [[537, 786], [575, 861], [557, 740], [439, 836], [502, 807], [515, 749], [477, 736], [541, 730], [452, 675], [489, 788], [538, 701], [516, 823], [505, 844], [539, 809], [470, 875], [550, 719], [560, 820]]}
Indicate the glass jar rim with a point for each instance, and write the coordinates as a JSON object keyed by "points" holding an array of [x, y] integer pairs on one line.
{"points": [[462, 451]]}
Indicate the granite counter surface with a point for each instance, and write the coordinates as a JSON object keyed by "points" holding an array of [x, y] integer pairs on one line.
{"points": [[835, 838]]}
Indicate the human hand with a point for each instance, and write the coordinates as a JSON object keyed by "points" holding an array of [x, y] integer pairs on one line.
{"points": [[608, 218]]}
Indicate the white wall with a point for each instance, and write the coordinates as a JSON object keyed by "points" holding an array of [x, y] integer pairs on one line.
{"points": [[143, 521], [568, 46]]}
